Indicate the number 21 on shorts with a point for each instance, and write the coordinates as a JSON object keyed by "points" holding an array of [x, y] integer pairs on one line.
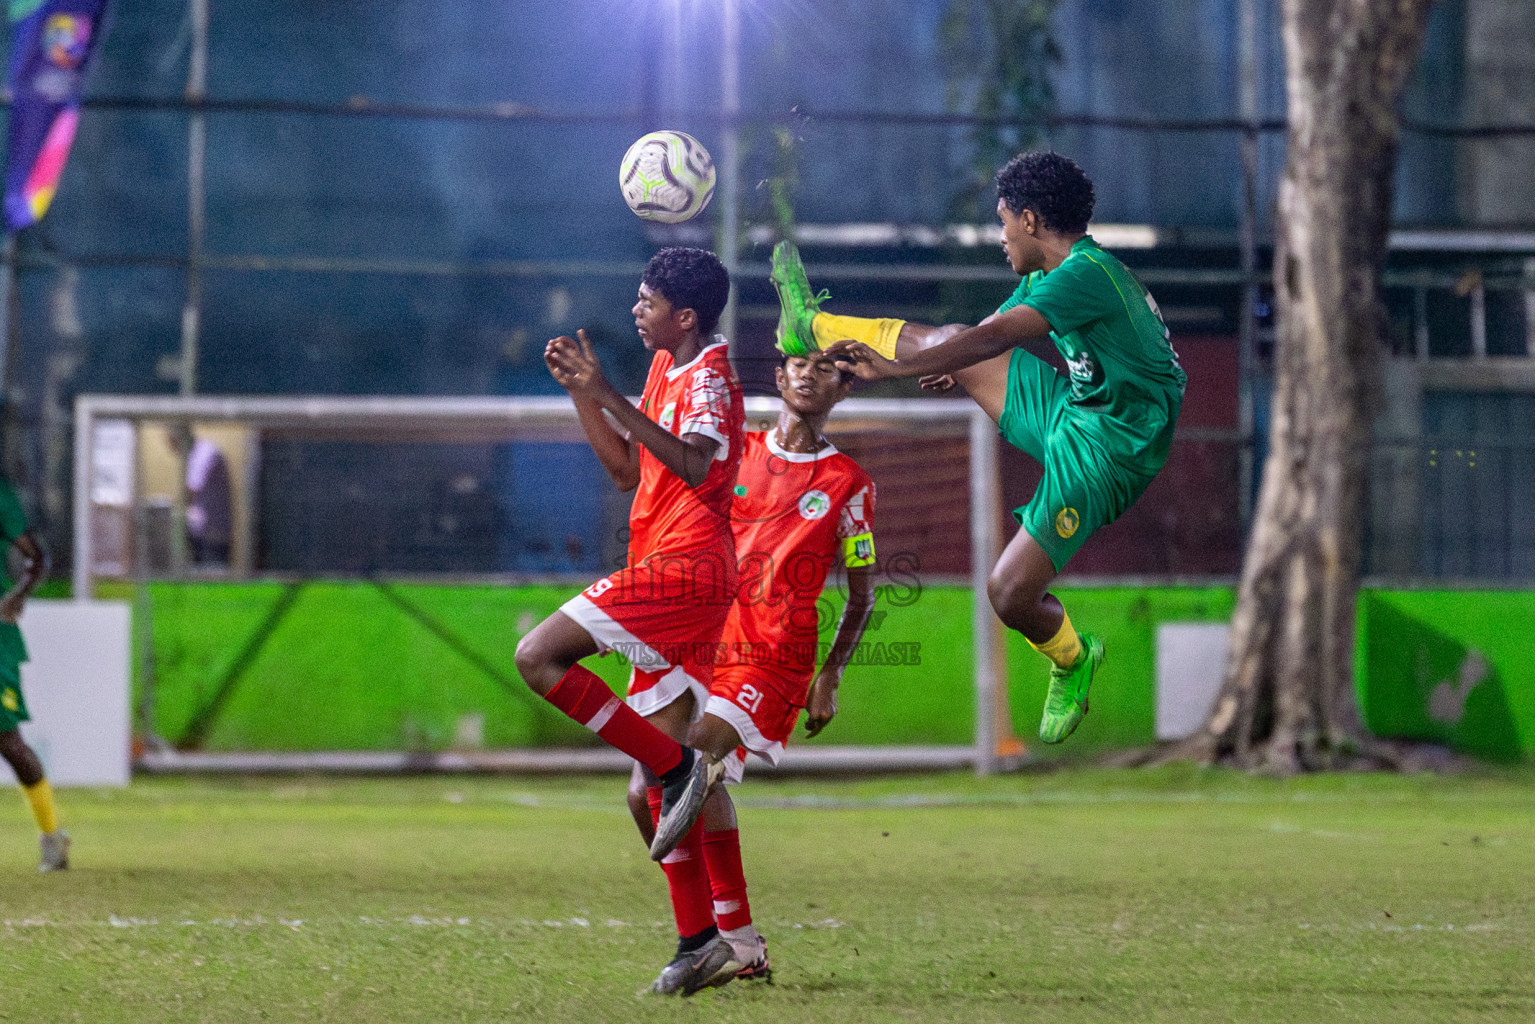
{"points": [[750, 697]]}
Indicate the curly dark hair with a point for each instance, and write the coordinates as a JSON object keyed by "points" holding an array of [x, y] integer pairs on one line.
{"points": [[1051, 185], [691, 279]]}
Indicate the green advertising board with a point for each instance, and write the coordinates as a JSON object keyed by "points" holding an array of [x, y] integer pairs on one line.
{"points": [[1451, 667], [331, 665]]}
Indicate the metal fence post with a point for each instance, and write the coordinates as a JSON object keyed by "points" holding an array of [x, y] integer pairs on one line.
{"points": [[985, 545]]}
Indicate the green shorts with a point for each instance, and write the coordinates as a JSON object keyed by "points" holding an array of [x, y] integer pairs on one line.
{"points": [[13, 706], [1091, 476]]}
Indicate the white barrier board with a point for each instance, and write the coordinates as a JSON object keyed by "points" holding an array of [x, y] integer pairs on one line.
{"points": [[76, 688], [1191, 664]]}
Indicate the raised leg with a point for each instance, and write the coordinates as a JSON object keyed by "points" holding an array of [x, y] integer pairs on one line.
{"points": [[986, 382], [550, 649], [547, 659]]}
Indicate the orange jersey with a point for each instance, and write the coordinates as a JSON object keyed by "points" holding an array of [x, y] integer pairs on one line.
{"points": [[794, 515], [668, 516]]}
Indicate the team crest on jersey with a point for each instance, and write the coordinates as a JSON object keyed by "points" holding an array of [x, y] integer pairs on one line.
{"points": [[668, 416], [1082, 367], [10, 700], [1066, 522], [814, 504]]}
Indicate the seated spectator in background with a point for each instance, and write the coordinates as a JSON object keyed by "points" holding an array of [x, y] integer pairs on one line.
{"points": [[209, 511]]}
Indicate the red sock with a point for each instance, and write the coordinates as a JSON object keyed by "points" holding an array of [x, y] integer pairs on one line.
{"points": [[722, 852], [587, 699], [687, 875]]}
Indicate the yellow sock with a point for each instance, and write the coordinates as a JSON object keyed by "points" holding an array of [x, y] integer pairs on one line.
{"points": [[880, 335], [40, 797], [1064, 648]]}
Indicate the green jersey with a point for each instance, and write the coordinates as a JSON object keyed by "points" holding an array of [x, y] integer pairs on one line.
{"points": [[1109, 331], [13, 523]]}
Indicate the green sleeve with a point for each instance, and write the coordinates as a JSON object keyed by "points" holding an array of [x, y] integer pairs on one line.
{"points": [[13, 521], [1020, 293], [1076, 293]]}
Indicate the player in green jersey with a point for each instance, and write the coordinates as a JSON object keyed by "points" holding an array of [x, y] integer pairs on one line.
{"points": [[1102, 432], [13, 707]]}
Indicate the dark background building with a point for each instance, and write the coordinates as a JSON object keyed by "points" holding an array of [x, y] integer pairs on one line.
{"points": [[410, 198]]}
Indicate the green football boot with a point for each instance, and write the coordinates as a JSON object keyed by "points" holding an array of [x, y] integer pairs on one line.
{"points": [[797, 304], [1066, 702]]}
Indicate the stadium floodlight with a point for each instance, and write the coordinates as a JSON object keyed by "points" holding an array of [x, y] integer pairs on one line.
{"points": [[730, 155], [727, 149], [107, 423]]}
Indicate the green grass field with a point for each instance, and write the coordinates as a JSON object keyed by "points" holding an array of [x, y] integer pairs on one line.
{"points": [[1082, 895]]}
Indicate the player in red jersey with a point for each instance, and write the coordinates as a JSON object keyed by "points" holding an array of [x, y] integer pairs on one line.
{"points": [[664, 610], [800, 506]]}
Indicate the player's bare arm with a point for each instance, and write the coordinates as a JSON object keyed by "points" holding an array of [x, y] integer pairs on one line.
{"points": [[977, 344], [34, 567], [573, 364], [618, 455], [821, 704], [921, 336]]}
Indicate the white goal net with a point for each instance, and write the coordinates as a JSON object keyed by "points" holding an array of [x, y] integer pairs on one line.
{"points": [[459, 516]]}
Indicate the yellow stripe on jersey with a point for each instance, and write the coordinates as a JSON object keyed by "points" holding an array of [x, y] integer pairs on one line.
{"points": [[858, 551]]}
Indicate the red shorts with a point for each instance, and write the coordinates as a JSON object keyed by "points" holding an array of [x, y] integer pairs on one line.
{"points": [[665, 616], [763, 707]]}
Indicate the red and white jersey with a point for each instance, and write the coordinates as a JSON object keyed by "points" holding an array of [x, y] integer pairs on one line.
{"points": [[795, 513], [701, 397]]}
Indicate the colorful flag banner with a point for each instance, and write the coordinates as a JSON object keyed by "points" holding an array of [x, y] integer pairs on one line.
{"points": [[52, 42]]}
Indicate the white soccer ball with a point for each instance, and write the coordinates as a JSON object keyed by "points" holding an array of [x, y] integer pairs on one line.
{"points": [[667, 176]]}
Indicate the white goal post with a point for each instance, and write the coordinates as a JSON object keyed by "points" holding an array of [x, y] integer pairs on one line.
{"points": [[97, 481]]}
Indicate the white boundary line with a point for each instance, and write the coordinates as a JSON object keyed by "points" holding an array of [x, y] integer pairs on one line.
{"points": [[554, 760]]}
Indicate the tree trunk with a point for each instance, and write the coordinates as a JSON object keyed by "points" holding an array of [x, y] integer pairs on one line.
{"points": [[1288, 700]]}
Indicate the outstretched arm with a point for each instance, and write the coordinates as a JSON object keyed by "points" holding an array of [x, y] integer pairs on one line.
{"points": [[973, 345], [821, 704], [34, 567], [573, 364]]}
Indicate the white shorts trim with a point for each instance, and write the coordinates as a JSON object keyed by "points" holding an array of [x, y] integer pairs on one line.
{"points": [[607, 634], [751, 737], [735, 768], [668, 689]]}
